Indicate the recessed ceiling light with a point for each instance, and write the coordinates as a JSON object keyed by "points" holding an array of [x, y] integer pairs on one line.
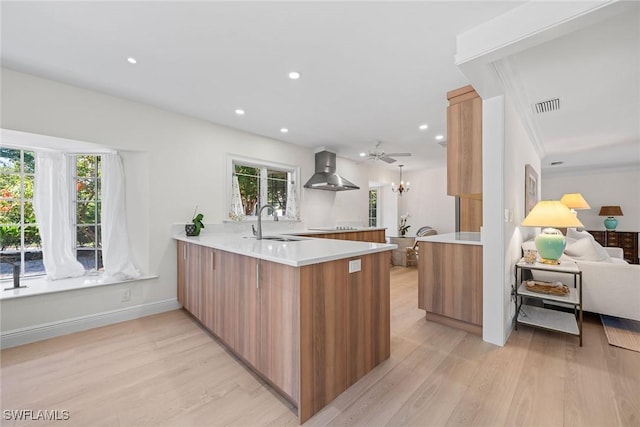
{"points": [[363, 154], [439, 137], [132, 60], [424, 126], [284, 130], [240, 112], [294, 75]]}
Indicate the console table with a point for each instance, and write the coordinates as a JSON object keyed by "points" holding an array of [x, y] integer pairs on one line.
{"points": [[546, 317], [627, 240]]}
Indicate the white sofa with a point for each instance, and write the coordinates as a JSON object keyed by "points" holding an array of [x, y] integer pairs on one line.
{"points": [[610, 286]]}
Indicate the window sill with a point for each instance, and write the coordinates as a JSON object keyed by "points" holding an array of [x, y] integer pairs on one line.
{"points": [[41, 286]]}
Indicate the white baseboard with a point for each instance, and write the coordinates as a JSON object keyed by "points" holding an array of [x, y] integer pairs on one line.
{"points": [[54, 329]]}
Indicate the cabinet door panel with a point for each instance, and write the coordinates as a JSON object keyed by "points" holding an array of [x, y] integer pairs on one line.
{"points": [[182, 274], [464, 147], [208, 292], [237, 306], [192, 274]]}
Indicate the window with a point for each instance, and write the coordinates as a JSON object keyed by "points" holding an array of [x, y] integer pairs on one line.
{"points": [[86, 210], [373, 207], [19, 234], [260, 185]]}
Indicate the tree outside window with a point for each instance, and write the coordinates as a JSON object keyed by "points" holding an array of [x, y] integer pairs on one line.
{"points": [[373, 207], [20, 242], [87, 206], [260, 186]]}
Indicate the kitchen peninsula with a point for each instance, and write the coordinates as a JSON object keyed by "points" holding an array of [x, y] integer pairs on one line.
{"points": [[309, 315]]}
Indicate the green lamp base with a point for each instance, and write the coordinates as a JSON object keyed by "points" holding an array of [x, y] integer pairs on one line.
{"points": [[610, 223], [550, 245]]}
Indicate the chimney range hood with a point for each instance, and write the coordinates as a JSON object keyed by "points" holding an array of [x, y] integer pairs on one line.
{"points": [[326, 177]]}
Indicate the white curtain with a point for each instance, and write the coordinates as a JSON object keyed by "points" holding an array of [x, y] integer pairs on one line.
{"points": [[116, 256], [52, 207], [292, 210], [236, 212]]}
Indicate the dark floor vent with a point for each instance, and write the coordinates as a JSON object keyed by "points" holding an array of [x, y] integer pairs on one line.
{"points": [[547, 106]]}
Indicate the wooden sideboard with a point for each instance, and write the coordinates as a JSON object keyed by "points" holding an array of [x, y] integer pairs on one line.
{"points": [[627, 240]]}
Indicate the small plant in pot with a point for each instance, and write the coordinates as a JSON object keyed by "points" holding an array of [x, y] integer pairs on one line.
{"points": [[194, 229]]}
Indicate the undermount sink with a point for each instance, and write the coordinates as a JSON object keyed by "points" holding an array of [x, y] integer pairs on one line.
{"points": [[283, 238]]}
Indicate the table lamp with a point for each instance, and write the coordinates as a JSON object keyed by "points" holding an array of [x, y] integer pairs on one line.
{"points": [[550, 214], [610, 211], [575, 201]]}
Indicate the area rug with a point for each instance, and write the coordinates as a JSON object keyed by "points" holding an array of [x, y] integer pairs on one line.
{"points": [[623, 333]]}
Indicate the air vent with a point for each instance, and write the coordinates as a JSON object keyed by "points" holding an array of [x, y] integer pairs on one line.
{"points": [[443, 144], [547, 106]]}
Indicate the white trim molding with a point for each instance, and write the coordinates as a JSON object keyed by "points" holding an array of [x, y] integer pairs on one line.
{"points": [[63, 327]]}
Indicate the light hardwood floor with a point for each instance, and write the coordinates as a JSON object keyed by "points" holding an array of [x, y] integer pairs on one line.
{"points": [[165, 370]]}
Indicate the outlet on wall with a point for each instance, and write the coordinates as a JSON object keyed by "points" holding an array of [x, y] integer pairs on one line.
{"points": [[126, 295]]}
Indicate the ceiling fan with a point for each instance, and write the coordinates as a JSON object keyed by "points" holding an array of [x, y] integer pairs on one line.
{"points": [[377, 154]]}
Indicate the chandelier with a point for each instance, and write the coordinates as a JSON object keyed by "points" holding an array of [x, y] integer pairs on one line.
{"points": [[400, 188]]}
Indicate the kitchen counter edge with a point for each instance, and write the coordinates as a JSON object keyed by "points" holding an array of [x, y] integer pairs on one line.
{"points": [[298, 254], [461, 238]]}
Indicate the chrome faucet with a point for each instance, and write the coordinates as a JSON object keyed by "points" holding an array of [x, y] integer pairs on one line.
{"points": [[258, 234]]}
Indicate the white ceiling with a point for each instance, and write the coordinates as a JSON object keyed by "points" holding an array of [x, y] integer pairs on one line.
{"points": [[595, 72], [371, 71]]}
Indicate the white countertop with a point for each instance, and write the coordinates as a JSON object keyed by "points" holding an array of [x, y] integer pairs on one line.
{"points": [[297, 253], [463, 238]]}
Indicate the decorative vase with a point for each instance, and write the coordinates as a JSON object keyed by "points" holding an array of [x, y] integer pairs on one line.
{"points": [[191, 230], [610, 223], [550, 245]]}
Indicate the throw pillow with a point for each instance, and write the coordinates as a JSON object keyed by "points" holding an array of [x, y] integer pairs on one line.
{"points": [[573, 233], [583, 250]]}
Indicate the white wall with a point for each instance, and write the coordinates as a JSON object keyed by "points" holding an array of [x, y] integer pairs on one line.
{"points": [[600, 188], [428, 202], [182, 163], [519, 151], [506, 150], [492, 231]]}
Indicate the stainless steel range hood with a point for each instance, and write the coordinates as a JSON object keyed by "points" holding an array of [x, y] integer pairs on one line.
{"points": [[326, 177]]}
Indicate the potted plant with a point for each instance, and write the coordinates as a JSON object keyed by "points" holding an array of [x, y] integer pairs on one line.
{"points": [[197, 225], [403, 228]]}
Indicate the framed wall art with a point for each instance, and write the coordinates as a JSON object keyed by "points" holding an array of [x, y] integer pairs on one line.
{"points": [[530, 189]]}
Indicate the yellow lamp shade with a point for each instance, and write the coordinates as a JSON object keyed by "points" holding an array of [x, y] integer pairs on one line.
{"points": [[551, 213], [575, 201]]}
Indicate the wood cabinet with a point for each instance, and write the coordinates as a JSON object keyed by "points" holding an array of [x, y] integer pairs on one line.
{"points": [[195, 268], [310, 331], [344, 326], [627, 240], [470, 214], [450, 284], [464, 143], [279, 327]]}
